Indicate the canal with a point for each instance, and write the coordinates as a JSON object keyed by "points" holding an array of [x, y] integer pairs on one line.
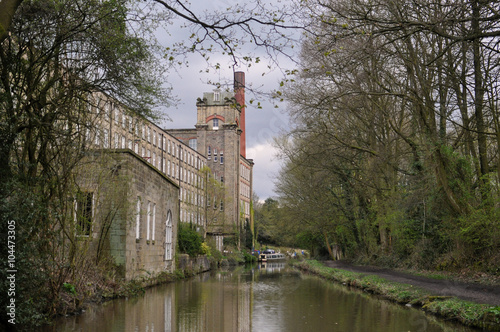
{"points": [[266, 298]]}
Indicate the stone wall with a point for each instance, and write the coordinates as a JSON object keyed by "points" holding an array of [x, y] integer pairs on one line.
{"points": [[128, 192], [157, 195], [193, 264]]}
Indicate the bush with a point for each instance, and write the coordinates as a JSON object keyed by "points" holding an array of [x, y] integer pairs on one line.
{"points": [[190, 242], [249, 258]]}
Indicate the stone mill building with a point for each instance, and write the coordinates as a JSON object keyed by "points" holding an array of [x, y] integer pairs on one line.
{"points": [[219, 135], [149, 179]]}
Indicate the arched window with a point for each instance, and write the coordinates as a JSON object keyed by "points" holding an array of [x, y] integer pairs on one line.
{"points": [[168, 236]]}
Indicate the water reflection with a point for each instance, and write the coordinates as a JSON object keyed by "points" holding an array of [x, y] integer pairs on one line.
{"points": [[263, 298]]}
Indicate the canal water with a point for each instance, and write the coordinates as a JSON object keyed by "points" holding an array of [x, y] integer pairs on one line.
{"points": [[261, 298]]}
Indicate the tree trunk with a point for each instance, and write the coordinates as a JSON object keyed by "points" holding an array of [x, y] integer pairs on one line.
{"points": [[330, 252], [479, 100]]}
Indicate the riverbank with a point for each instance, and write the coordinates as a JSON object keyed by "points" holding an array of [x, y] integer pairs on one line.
{"points": [[73, 301], [407, 291]]}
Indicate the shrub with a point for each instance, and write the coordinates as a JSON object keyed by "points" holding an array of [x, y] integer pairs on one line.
{"points": [[190, 242]]}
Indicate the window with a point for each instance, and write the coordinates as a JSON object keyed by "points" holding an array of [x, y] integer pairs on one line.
{"points": [[219, 242], [117, 140], [209, 153], [193, 143], [215, 155], [117, 116], [217, 96], [123, 142], [215, 124], [148, 221], [154, 137], [221, 205], [154, 223], [106, 138], [98, 137], [154, 158], [136, 148], [168, 167], [138, 219], [149, 135], [168, 236], [222, 157], [83, 215]]}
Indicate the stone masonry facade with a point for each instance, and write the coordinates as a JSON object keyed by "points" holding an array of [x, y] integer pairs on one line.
{"points": [[166, 183], [218, 135]]}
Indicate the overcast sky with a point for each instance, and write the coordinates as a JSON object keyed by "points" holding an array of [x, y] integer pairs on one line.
{"points": [[262, 125]]}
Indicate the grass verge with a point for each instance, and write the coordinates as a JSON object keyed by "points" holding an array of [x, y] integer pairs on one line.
{"points": [[468, 313]]}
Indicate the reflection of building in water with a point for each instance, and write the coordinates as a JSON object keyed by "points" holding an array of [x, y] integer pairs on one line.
{"points": [[244, 305], [225, 306], [155, 314]]}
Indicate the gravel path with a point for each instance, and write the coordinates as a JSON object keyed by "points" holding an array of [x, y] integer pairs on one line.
{"points": [[474, 292]]}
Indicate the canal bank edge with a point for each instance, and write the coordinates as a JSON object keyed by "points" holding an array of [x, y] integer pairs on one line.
{"points": [[73, 303], [468, 313]]}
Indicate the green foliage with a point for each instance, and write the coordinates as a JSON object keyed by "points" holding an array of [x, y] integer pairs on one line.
{"points": [[189, 241], [479, 231], [69, 288], [231, 241], [32, 259], [205, 249], [249, 258], [247, 236], [379, 171]]}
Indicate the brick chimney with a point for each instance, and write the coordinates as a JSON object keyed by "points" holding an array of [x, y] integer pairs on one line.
{"points": [[239, 94]]}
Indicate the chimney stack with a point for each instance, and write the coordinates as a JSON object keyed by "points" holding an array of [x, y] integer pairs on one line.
{"points": [[239, 94]]}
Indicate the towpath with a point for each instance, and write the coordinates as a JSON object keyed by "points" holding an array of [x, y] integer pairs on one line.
{"points": [[470, 291]]}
